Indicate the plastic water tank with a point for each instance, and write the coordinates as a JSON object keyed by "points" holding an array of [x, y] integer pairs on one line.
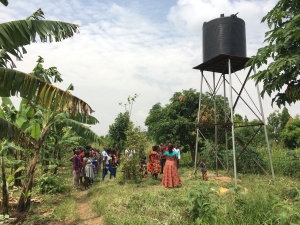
{"points": [[224, 35]]}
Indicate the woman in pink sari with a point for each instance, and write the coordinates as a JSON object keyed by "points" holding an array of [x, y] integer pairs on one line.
{"points": [[171, 178]]}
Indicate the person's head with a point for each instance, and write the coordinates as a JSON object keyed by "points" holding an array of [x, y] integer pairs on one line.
{"points": [[176, 146], [87, 154], [88, 148], [170, 148], [155, 148], [77, 152], [74, 149], [203, 160]]}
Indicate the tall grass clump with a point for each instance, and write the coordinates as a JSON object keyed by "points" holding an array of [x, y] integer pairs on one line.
{"points": [[256, 201], [286, 162]]}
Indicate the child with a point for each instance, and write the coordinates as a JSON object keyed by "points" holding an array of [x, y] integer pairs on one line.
{"points": [[203, 169]]}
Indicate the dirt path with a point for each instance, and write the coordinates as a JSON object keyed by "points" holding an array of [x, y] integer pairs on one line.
{"points": [[84, 210]]}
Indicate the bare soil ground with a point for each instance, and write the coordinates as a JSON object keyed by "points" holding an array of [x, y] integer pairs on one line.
{"points": [[84, 210]]}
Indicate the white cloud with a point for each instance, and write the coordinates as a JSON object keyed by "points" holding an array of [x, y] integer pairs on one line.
{"points": [[121, 51]]}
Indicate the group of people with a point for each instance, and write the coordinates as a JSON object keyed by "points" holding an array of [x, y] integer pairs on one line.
{"points": [[87, 163], [165, 160]]}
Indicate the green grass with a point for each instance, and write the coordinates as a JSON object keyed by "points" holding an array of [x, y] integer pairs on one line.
{"points": [[66, 210], [148, 202]]}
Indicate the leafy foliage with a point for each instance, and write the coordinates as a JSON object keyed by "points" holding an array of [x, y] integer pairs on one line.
{"points": [[50, 184], [41, 92], [277, 122], [14, 134], [19, 33], [291, 134], [286, 162], [117, 131], [4, 2], [282, 74], [201, 206], [177, 121]]}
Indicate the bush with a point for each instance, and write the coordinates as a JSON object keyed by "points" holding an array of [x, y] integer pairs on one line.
{"points": [[244, 163], [201, 205], [286, 162], [186, 159], [130, 169], [50, 183]]}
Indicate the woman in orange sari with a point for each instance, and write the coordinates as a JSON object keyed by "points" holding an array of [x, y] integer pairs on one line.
{"points": [[171, 178], [154, 162]]}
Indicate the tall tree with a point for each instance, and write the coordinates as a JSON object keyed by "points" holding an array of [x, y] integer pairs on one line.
{"points": [[291, 133], [176, 122], [281, 75], [276, 123], [117, 131], [285, 116]]}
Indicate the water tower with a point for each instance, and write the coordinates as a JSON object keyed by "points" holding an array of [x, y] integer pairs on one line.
{"points": [[224, 54]]}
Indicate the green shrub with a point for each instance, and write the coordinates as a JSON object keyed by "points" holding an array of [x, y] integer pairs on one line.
{"points": [[130, 169], [286, 162], [244, 162], [201, 205], [186, 159], [50, 183]]}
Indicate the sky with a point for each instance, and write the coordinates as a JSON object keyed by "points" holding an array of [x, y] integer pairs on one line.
{"points": [[128, 47]]}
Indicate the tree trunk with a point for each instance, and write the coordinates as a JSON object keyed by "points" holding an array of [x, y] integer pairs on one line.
{"points": [[193, 155], [24, 201], [57, 153], [4, 190], [17, 181], [46, 156]]}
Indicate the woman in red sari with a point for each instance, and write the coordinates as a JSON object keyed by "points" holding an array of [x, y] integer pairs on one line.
{"points": [[154, 162], [171, 178]]}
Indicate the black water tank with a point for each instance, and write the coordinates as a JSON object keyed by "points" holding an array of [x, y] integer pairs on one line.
{"points": [[224, 35]]}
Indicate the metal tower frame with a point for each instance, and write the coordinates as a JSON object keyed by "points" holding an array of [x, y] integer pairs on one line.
{"points": [[224, 64]]}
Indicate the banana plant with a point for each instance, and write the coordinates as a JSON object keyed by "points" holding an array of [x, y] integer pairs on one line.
{"points": [[61, 139], [19, 117], [17, 34], [6, 147], [39, 93]]}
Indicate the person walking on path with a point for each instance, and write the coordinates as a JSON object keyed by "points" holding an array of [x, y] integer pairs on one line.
{"points": [[171, 177], [76, 167], [154, 166]]}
